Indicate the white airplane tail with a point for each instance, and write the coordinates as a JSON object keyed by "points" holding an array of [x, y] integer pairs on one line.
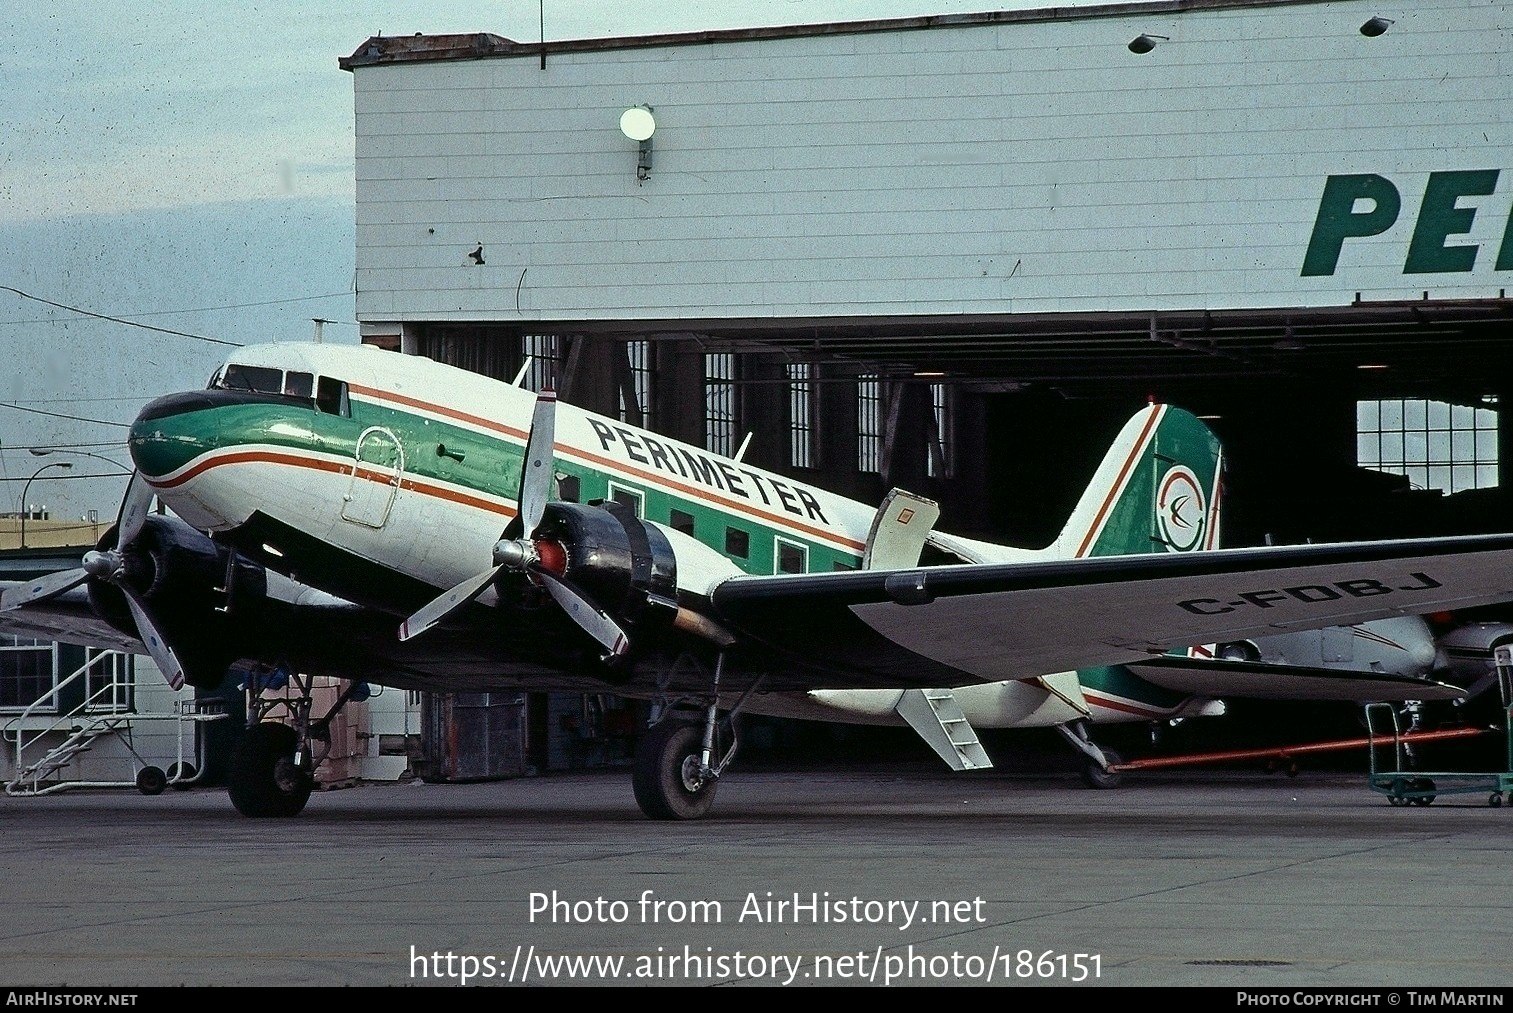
{"points": [[1157, 490]]}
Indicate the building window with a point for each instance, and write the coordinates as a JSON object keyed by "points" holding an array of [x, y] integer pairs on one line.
{"points": [[737, 543], [638, 361], [869, 423], [719, 403], [109, 681], [28, 671], [939, 463], [801, 414], [789, 557], [1434, 445], [540, 352], [680, 521]]}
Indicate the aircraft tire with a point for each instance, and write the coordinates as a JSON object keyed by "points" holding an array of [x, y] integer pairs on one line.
{"points": [[1095, 776], [253, 784], [660, 777]]}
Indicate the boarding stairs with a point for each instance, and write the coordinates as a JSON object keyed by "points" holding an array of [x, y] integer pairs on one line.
{"points": [[939, 720], [43, 760]]}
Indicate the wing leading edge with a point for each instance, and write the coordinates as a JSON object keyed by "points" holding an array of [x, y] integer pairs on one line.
{"points": [[1020, 620]]}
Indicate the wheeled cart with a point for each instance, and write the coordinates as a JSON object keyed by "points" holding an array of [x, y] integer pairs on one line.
{"points": [[1390, 774]]}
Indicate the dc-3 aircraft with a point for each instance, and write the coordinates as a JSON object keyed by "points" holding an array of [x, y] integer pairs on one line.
{"points": [[382, 518]]}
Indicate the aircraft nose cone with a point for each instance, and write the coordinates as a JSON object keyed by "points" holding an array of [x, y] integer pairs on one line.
{"points": [[170, 432]]}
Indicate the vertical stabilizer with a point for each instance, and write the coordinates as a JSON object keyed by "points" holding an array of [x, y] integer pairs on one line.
{"points": [[1157, 490]]}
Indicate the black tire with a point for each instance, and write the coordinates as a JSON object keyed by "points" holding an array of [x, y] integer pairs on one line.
{"points": [[180, 776], [1495, 799], [151, 780], [1423, 784], [660, 778], [255, 774], [1095, 776]]}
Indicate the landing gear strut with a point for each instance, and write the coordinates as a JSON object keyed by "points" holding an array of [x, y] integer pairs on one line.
{"points": [[1098, 760], [273, 768], [676, 771]]}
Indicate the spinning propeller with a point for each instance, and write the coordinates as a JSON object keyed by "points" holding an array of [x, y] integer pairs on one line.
{"points": [[544, 559], [112, 566]]}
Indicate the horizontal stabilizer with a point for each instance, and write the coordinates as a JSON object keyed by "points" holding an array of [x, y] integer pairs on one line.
{"points": [[1260, 681]]}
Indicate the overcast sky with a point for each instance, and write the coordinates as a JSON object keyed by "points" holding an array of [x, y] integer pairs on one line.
{"points": [[190, 166]]}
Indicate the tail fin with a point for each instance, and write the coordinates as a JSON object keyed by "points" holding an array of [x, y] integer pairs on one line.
{"points": [[1157, 490]]}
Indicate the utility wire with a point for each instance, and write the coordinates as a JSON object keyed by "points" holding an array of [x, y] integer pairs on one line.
{"points": [[60, 415], [70, 477], [118, 320], [201, 309]]}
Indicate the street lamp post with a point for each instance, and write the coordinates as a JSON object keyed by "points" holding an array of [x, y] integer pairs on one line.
{"points": [[25, 508], [48, 451]]}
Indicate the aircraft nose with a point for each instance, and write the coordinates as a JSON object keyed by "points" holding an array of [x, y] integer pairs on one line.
{"points": [[170, 432]]}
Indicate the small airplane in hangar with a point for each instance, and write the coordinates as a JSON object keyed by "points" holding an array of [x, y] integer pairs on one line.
{"points": [[346, 511]]}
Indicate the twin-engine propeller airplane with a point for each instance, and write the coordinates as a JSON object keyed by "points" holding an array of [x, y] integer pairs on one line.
{"points": [[382, 518]]}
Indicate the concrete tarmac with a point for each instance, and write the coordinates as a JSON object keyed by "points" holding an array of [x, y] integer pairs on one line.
{"points": [[897, 876]]}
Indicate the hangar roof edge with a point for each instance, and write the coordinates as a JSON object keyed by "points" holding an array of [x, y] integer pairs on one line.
{"points": [[482, 45]]}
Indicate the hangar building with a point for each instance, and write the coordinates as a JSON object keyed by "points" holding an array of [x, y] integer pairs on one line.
{"points": [[953, 253]]}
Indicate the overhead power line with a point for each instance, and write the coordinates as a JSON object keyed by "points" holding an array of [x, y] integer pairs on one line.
{"points": [[119, 320], [61, 415], [203, 309]]}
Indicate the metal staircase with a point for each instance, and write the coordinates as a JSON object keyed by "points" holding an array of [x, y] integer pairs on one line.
{"points": [[105, 711], [938, 718]]}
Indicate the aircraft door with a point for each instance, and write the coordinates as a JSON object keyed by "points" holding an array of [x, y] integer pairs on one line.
{"points": [[374, 479]]}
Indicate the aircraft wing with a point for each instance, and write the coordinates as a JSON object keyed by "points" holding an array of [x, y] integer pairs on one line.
{"points": [[69, 619], [955, 624], [1259, 680]]}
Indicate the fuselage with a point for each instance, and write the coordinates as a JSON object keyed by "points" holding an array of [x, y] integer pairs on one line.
{"points": [[384, 479]]}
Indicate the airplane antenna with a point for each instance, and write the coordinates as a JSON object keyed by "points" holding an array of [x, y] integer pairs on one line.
{"points": [[319, 325], [744, 444], [520, 376]]}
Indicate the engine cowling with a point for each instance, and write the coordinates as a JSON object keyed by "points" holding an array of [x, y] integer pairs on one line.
{"points": [[624, 565], [182, 574]]}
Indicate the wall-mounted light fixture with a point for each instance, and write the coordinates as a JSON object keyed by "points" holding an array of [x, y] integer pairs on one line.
{"points": [[1376, 26], [639, 124], [1144, 43]]}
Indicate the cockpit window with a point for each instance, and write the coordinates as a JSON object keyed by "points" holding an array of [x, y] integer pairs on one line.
{"points": [[262, 379], [322, 393], [331, 397], [299, 384]]}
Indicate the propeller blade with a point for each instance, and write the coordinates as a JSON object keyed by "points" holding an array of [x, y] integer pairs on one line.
{"points": [[536, 471], [43, 588], [449, 602], [134, 506], [157, 645], [594, 621]]}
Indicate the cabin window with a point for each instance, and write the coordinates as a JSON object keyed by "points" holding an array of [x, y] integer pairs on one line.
{"points": [[790, 557], [737, 542], [569, 488], [840, 566], [331, 397], [632, 498], [680, 521], [298, 384]]}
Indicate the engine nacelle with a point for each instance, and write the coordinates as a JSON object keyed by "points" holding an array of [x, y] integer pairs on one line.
{"points": [[182, 576], [626, 566]]}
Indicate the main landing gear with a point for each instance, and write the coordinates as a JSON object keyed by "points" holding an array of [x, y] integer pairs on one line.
{"points": [[1097, 760], [678, 761], [273, 767]]}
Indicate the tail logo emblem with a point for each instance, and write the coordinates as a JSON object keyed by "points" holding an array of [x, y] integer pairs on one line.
{"points": [[1180, 509]]}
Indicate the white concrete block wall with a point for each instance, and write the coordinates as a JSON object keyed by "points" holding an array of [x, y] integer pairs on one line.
{"points": [[995, 168]]}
